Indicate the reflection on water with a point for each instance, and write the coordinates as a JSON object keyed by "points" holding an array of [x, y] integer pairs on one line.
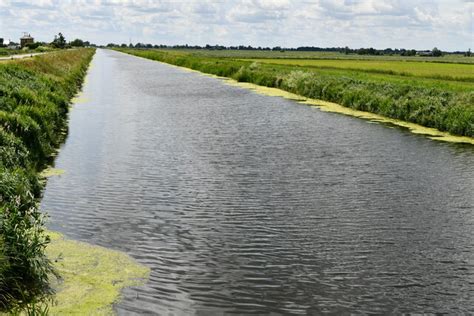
{"points": [[242, 203]]}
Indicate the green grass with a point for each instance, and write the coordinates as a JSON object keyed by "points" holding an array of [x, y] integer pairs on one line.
{"points": [[447, 105], [255, 54], [34, 98], [4, 52], [445, 71], [378, 77]]}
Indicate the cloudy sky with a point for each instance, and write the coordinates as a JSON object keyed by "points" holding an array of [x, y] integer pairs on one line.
{"points": [[419, 24]]}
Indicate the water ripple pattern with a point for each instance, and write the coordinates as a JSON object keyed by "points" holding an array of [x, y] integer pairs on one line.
{"points": [[248, 204]]}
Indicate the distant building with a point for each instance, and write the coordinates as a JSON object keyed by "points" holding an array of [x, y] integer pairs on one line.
{"points": [[1, 41], [26, 39]]}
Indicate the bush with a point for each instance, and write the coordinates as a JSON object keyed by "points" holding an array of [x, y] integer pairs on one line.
{"points": [[33, 45]]}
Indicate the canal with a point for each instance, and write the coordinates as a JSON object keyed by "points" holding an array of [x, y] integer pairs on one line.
{"points": [[249, 204]]}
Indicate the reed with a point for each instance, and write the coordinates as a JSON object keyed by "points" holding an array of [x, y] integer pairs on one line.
{"points": [[34, 98]]}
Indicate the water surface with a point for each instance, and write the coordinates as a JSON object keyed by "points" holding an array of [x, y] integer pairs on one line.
{"points": [[243, 203]]}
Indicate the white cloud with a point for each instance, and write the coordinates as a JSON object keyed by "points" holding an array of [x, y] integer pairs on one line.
{"points": [[447, 24]]}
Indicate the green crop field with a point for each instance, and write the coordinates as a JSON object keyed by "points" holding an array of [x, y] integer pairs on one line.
{"points": [[446, 71], [448, 58]]}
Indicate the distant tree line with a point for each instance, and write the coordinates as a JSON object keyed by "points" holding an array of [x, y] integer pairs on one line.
{"points": [[435, 52], [59, 41]]}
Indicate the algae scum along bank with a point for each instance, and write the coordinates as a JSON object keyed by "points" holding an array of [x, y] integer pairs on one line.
{"points": [[34, 102], [91, 277]]}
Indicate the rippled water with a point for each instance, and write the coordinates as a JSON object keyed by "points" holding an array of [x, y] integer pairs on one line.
{"points": [[242, 203]]}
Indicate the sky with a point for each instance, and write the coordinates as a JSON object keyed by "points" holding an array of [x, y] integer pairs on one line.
{"points": [[417, 24]]}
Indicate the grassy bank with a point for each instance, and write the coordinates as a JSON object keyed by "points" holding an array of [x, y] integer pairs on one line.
{"points": [[34, 101], [447, 105]]}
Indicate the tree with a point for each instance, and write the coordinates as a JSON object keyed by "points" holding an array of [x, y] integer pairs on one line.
{"points": [[410, 52], [436, 52], [59, 41], [33, 45], [77, 43], [468, 53]]}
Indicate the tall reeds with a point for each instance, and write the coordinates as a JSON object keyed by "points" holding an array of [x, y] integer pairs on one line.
{"points": [[34, 98]]}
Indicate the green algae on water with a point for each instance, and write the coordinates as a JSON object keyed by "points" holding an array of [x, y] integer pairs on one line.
{"points": [[51, 172], [79, 99], [91, 277]]}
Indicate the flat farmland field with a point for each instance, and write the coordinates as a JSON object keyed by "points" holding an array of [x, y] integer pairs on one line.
{"points": [[446, 71], [234, 53]]}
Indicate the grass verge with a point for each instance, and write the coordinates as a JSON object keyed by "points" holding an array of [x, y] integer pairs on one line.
{"points": [[34, 99]]}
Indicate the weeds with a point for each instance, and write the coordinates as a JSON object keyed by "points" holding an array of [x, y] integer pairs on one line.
{"points": [[34, 97]]}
